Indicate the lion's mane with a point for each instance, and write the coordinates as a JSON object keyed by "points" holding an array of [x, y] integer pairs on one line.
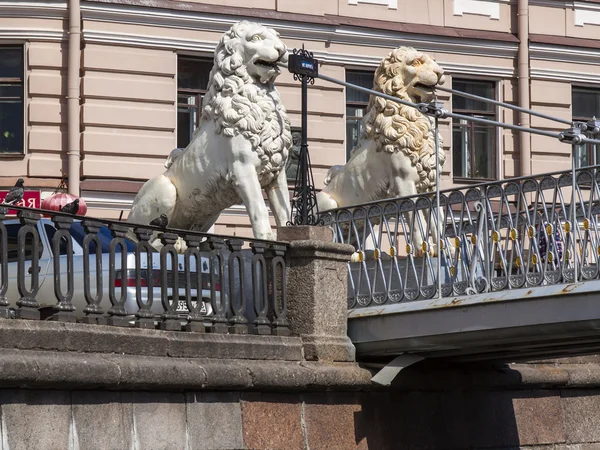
{"points": [[240, 105], [398, 128]]}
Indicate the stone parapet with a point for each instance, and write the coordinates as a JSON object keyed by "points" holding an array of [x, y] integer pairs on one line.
{"points": [[44, 369], [317, 284], [85, 338], [53, 354]]}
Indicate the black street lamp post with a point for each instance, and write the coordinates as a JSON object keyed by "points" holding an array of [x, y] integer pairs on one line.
{"points": [[304, 201]]}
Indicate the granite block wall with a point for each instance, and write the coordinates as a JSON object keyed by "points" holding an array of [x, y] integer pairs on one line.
{"points": [[558, 419]]}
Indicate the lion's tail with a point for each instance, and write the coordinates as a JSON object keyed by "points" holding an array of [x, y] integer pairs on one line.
{"points": [[331, 173]]}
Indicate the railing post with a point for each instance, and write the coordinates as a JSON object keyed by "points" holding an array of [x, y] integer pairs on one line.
{"points": [[218, 318], [278, 283], [144, 315], [195, 317], [260, 289], [93, 310], [117, 312], [28, 305], [317, 282], [170, 318], [237, 307], [65, 311]]}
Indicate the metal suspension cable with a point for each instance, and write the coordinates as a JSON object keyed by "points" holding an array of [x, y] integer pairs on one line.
{"points": [[501, 124], [504, 105], [453, 115], [368, 91]]}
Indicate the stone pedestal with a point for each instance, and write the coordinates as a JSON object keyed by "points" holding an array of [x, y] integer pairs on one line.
{"points": [[317, 283]]}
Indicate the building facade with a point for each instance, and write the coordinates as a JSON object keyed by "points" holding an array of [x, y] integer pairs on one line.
{"points": [[103, 90]]}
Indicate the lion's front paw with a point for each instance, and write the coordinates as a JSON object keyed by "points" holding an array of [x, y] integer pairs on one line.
{"points": [[433, 249], [180, 245]]}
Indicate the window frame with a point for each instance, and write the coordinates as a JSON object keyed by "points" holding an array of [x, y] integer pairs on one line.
{"points": [[591, 150], [24, 76], [198, 94], [354, 104], [496, 133]]}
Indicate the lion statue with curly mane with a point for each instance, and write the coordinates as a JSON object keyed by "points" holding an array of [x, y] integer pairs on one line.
{"points": [[240, 148], [395, 155]]}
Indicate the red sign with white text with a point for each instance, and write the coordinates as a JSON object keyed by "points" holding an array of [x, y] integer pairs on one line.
{"points": [[31, 199]]}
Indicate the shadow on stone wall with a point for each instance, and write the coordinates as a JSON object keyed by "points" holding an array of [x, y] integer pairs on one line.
{"points": [[437, 420]]}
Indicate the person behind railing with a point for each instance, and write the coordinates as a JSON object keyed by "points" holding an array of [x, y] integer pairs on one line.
{"points": [[543, 246]]}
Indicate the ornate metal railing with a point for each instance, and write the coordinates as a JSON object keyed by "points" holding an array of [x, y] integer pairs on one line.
{"points": [[56, 266], [494, 236]]}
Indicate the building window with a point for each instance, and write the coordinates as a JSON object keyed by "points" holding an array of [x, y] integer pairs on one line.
{"points": [[473, 144], [586, 106], [356, 105], [11, 99], [192, 80]]}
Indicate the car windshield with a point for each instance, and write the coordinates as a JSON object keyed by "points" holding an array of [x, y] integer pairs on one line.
{"points": [[105, 236]]}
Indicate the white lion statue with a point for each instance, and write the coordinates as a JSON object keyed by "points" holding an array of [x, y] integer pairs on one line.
{"points": [[240, 147], [395, 156]]}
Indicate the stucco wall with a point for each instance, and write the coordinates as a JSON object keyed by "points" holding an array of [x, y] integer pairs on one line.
{"points": [[44, 94]]}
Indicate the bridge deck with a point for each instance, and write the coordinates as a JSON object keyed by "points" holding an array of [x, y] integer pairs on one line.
{"points": [[546, 321]]}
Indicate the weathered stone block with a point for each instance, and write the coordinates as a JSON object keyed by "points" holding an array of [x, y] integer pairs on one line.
{"points": [[330, 422], [539, 418], [36, 419], [581, 412], [103, 419], [160, 420], [214, 420], [490, 419], [304, 232], [317, 285], [272, 421]]}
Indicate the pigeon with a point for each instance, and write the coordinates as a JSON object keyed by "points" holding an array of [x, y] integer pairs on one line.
{"points": [[161, 221], [71, 208], [15, 195], [175, 153]]}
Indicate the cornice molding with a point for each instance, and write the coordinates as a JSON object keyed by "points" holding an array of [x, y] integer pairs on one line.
{"points": [[30, 34], [191, 20], [558, 53], [552, 3], [292, 30], [139, 40], [41, 9], [561, 75], [33, 9], [438, 44], [371, 62], [345, 59], [585, 6]]}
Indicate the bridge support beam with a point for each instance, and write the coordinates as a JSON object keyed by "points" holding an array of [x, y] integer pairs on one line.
{"points": [[317, 282]]}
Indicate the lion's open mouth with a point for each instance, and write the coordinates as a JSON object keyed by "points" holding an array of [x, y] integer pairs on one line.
{"points": [[267, 64], [425, 87]]}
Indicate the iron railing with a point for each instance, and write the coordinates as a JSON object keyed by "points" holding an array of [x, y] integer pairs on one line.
{"points": [[501, 235], [62, 267]]}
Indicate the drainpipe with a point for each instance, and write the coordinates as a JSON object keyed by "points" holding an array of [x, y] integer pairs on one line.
{"points": [[73, 151], [523, 77]]}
